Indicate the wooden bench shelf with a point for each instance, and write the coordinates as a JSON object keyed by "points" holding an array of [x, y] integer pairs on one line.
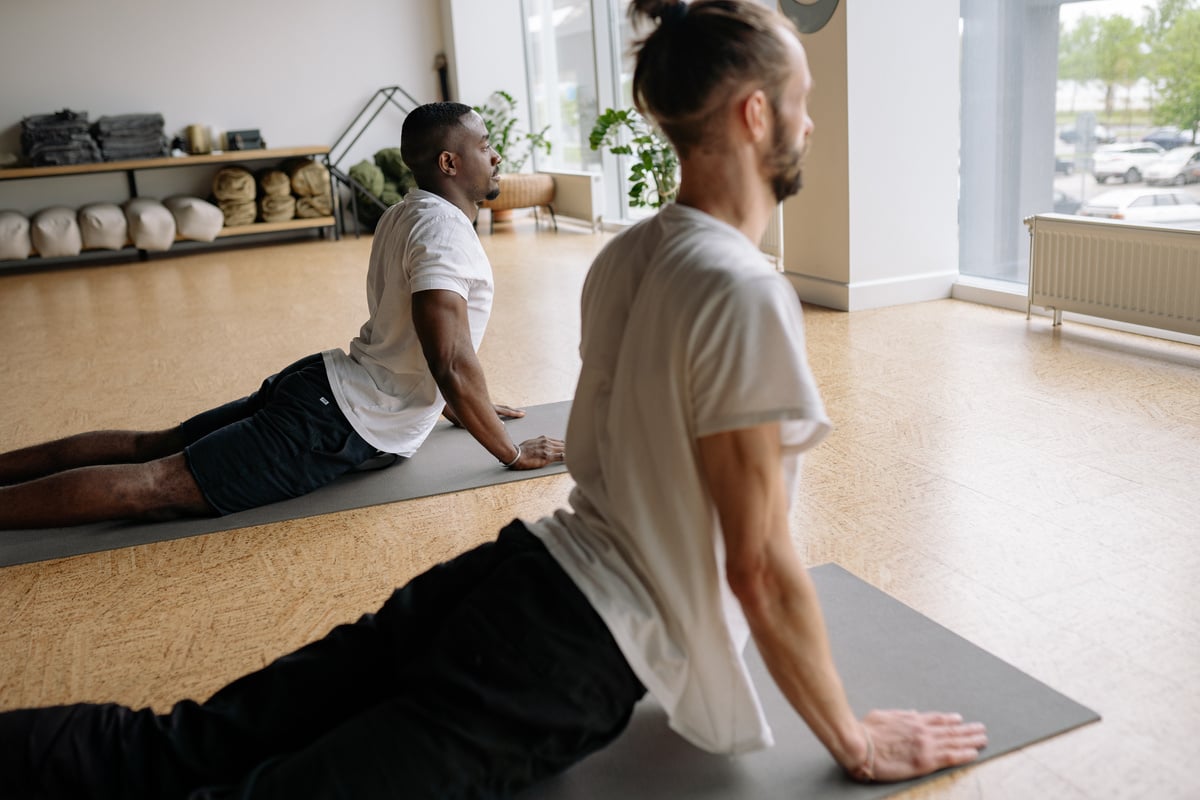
{"points": [[134, 166]]}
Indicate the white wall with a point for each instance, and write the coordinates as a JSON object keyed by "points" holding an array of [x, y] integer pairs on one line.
{"points": [[877, 221], [485, 42], [298, 70]]}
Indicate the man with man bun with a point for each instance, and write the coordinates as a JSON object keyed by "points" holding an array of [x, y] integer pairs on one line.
{"points": [[517, 659]]}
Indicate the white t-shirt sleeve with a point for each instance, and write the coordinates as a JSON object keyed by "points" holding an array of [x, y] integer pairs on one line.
{"points": [[759, 315], [442, 255]]}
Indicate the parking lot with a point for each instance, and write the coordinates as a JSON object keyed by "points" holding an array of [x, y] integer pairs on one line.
{"points": [[1083, 187]]}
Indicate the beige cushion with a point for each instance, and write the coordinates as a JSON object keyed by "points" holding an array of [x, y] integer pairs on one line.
{"points": [[55, 232], [103, 226], [195, 219], [151, 225], [14, 236]]}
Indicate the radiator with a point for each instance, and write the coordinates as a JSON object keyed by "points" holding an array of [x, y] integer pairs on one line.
{"points": [[1140, 274], [578, 195], [772, 240]]}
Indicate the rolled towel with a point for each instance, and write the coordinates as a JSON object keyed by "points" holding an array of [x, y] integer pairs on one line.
{"points": [[309, 178], [55, 232], [238, 212], [103, 226], [277, 208], [234, 183], [395, 169], [151, 225], [195, 219], [369, 176], [320, 205], [14, 236], [274, 183]]}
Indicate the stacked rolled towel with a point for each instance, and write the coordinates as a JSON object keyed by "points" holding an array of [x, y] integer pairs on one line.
{"points": [[59, 138], [275, 203], [310, 183], [386, 180], [235, 190], [126, 136], [14, 236]]}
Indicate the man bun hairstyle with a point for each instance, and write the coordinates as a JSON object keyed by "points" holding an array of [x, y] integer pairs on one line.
{"points": [[697, 55], [424, 135]]}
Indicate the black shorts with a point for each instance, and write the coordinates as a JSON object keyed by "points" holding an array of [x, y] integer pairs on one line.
{"points": [[285, 440]]}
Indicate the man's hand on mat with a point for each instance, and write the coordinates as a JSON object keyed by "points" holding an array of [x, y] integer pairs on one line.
{"points": [[906, 744], [507, 412], [503, 412], [539, 452]]}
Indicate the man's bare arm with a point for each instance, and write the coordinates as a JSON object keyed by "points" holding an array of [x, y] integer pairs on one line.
{"points": [[743, 472], [441, 322]]}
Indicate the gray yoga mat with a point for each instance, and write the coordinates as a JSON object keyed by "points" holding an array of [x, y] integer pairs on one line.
{"points": [[449, 461], [889, 656]]}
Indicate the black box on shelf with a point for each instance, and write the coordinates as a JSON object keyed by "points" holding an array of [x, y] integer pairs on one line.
{"points": [[244, 140]]}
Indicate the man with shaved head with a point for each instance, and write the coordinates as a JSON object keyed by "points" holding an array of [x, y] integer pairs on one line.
{"points": [[429, 294], [518, 658]]}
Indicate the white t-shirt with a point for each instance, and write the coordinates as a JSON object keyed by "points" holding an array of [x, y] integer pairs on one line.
{"points": [[687, 331], [384, 386]]}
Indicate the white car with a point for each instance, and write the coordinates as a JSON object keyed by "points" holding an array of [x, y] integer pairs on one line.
{"points": [[1124, 161], [1173, 207], [1178, 166]]}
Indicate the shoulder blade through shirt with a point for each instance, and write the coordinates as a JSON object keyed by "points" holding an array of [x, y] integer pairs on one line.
{"points": [[383, 385], [686, 332]]}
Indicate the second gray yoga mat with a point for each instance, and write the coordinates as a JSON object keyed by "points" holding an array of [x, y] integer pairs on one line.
{"points": [[889, 656], [449, 461]]}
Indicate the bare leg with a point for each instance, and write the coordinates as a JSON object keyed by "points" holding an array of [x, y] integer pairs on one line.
{"points": [[160, 489], [86, 450]]}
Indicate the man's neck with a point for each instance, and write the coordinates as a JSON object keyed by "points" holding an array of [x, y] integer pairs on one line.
{"points": [[729, 190]]}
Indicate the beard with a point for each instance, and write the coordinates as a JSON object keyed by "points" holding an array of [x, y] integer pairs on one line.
{"points": [[784, 165], [493, 194]]}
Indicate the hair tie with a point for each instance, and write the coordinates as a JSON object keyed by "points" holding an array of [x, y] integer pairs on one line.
{"points": [[673, 12]]}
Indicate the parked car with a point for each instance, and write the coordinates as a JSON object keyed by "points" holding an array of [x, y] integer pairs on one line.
{"points": [[1100, 135], [1064, 203], [1174, 207], [1064, 165], [1125, 161], [1168, 138], [1178, 166]]}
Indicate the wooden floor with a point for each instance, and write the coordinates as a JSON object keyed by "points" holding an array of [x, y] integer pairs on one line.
{"points": [[1036, 490]]}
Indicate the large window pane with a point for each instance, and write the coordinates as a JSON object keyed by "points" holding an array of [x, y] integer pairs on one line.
{"points": [[562, 68], [1128, 101], [1069, 107]]}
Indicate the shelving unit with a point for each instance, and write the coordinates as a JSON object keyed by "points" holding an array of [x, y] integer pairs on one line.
{"points": [[131, 168]]}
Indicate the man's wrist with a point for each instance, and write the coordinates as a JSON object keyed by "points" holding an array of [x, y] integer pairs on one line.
{"points": [[515, 459]]}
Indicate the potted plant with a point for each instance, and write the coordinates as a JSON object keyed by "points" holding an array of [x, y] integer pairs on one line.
{"points": [[654, 167], [517, 189], [505, 134]]}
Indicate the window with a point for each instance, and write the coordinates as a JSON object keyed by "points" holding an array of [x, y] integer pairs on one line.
{"points": [[1103, 90], [562, 68]]}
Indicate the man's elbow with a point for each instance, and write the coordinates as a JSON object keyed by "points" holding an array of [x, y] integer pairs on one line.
{"points": [[750, 579]]}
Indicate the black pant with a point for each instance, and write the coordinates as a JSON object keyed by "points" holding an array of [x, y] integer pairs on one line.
{"points": [[476, 679]]}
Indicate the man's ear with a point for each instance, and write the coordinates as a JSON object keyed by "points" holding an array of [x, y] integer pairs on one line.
{"points": [[755, 115], [447, 163]]}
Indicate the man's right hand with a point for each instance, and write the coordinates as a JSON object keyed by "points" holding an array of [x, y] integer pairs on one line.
{"points": [[907, 744], [539, 452]]}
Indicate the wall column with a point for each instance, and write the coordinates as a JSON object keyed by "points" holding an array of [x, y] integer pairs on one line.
{"points": [[877, 221]]}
